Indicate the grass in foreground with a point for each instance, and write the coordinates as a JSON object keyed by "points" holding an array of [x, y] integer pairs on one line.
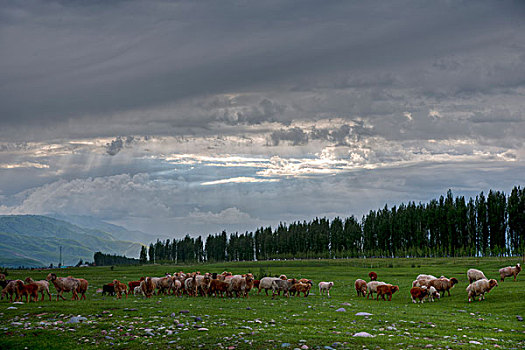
{"points": [[260, 322]]}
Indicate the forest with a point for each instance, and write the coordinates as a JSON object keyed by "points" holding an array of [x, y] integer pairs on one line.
{"points": [[491, 225]]}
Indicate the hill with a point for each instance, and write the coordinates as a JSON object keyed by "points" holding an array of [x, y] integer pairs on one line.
{"points": [[116, 231], [35, 240]]}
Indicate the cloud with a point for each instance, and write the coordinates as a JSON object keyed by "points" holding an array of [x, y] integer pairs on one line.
{"points": [[295, 135], [118, 144], [241, 179]]}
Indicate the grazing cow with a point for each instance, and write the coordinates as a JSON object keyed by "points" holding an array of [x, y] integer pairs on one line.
{"points": [[108, 289], [418, 293], [164, 285], [282, 285], [371, 288], [373, 276], [10, 289], [29, 290], [360, 287], [433, 293], [203, 284], [475, 275], [147, 286], [64, 284], [510, 271], [480, 287], [219, 287], [133, 284], [299, 288], [82, 288], [266, 283], [325, 287], [43, 286], [120, 288], [443, 284], [386, 289]]}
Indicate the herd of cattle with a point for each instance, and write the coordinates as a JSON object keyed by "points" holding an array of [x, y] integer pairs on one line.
{"points": [[194, 284]]}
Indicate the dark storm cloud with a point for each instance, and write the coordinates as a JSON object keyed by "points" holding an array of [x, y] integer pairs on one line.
{"points": [[116, 145], [65, 60], [258, 111]]}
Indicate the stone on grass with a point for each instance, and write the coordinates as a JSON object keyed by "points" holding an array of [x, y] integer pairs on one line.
{"points": [[285, 345], [519, 318], [341, 309], [363, 314], [474, 342], [77, 319], [363, 334], [184, 311], [12, 308], [202, 329]]}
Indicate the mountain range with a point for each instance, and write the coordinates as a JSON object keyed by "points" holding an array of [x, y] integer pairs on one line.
{"points": [[35, 240]]}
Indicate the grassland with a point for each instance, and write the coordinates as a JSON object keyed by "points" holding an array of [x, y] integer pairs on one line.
{"points": [[260, 322]]}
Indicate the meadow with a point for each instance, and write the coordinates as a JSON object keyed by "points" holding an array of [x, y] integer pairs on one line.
{"points": [[258, 322]]}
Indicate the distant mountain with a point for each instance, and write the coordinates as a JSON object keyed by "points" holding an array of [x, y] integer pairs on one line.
{"points": [[35, 240], [116, 231]]}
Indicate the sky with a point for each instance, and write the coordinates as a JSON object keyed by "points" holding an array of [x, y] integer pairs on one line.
{"points": [[193, 117]]}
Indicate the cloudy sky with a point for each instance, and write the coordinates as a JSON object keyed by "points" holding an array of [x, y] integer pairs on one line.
{"points": [[194, 117]]}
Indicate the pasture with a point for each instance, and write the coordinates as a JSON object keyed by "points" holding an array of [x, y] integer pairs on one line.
{"points": [[259, 322]]}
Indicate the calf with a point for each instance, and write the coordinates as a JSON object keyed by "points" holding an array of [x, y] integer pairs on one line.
{"points": [[148, 287], [282, 285], [325, 287], [133, 284], [373, 276], [43, 286], [418, 293], [219, 287], [120, 288], [10, 289], [108, 289], [360, 287], [29, 290], [386, 289]]}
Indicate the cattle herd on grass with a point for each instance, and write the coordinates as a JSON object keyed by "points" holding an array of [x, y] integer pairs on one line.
{"points": [[424, 287]]}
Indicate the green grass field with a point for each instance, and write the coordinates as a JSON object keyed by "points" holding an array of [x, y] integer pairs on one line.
{"points": [[259, 322]]}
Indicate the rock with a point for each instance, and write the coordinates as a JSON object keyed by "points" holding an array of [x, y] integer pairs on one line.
{"points": [[328, 347], [363, 314], [184, 311], [341, 309], [429, 346], [285, 345], [519, 318], [18, 302], [126, 309], [109, 338], [12, 308], [248, 308], [346, 304], [180, 325], [363, 334], [304, 347], [77, 319], [202, 329], [173, 314], [198, 319], [474, 342]]}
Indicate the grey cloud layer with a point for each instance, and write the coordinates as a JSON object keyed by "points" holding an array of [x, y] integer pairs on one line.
{"points": [[190, 115]]}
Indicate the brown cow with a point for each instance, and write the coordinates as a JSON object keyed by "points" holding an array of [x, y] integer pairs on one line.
{"points": [[418, 293], [386, 289], [360, 287], [29, 290], [120, 288]]}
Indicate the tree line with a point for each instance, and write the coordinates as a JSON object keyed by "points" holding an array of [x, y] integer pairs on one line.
{"points": [[101, 259], [492, 225]]}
